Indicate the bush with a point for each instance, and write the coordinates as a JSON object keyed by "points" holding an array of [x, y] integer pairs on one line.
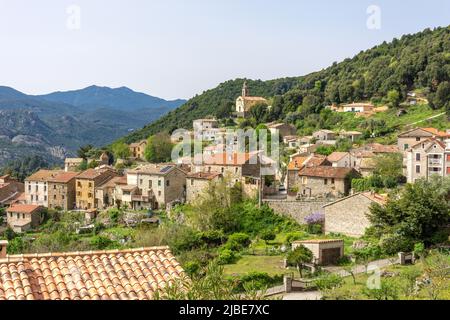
{"points": [[268, 235], [212, 238], [294, 236], [315, 228], [100, 242], [238, 241], [192, 268], [328, 282], [227, 256], [391, 244], [114, 215], [259, 281]]}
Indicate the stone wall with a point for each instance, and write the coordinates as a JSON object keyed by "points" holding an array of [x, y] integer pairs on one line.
{"points": [[298, 210]]}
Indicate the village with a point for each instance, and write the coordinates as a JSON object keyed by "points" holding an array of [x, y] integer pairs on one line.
{"points": [[334, 189]]}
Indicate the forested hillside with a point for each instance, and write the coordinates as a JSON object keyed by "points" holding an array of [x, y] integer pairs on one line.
{"points": [[383, 74]]}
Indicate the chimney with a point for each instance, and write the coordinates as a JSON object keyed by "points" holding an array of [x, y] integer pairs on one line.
{"points": [[3, 249]]}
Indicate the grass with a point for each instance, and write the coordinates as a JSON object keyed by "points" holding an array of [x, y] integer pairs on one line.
{"points": [[272, 265]]}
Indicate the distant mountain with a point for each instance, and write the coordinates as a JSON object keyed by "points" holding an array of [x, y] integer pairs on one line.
{"points": [[54, 126], [122, 98]]}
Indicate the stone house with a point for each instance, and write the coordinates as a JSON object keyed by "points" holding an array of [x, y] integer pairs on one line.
{"points": [[72, 164], [198, 183], [325, 135], [61, 191], [9, 189], [299, 162], [427, 158], [24, 217], [162, 184], [351, 135], [283, 129], [326, 181], [341, 160], [36, 187], [414, 136], [348, 216], [86, 184], [137, 150], [358, 107], [105, 194], [325, 252]]}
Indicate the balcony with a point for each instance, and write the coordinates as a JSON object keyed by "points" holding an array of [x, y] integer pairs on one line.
{"points": [[435, 162]]}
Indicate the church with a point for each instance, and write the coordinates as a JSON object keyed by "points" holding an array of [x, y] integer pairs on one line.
{"points": [[245, 102]]}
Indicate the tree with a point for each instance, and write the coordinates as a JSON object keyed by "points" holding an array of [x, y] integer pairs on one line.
{"points": [[84, 151], [388, 291], [159, 148], [299, 257], [393, 97], [259, 112], [416, 213], [441, 98], [121, 150], [225, 109], [389, 165]]}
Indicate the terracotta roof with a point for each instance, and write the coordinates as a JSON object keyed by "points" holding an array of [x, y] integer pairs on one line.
{"points": [[436, 132], [74, 160], [261, 99], [154, 169], [337, 156], [64, 177], [23, 208], [114, 182], [138, 144], [134, 274], [92, 173], [203, 176], [316, 161], [44, 175], [326, 172], [297, 163], [430, 141]]}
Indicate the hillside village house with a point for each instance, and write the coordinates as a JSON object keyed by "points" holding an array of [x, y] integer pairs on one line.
{"points": [[299, 162], [325, 135], [86, 184], [283, 129], [130, 274], [105, 194], [24, 217], [198, 183], [206, 129], [10, 189], [427, 158], [72, 164], [348, 216], [351, 135], [137, 149], [36, 187], [61, 191], [358, 107], [412, 137], [157, 185], [245, 102], [364, 157], [325, 252], [341, 160], [326, 181]]}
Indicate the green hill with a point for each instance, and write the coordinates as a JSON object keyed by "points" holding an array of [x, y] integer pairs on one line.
{"points": [[383, 74]]}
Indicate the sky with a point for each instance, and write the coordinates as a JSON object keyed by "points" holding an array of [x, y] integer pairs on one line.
{"points": [[179, 48]]}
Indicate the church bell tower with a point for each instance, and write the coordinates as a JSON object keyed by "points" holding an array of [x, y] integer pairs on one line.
{"points": [[245, 92]]}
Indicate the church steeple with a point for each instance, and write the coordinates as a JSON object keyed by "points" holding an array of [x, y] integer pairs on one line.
{"points": [[245, 92]]}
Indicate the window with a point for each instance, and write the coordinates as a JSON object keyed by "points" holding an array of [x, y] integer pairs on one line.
{"points": [[141, 182], [150, 184], [45, 198], [23, 215], [418, 139], [192, 182], [325, 181], [159, 183], [32, 197], [406, 146], [90, 184], [54, 197], [63, 197], [417, 169], [167, 183], [54, 187], [333, 181], [89, 195], [37, 198], [159, 193], [29, 187], [417, 156]]}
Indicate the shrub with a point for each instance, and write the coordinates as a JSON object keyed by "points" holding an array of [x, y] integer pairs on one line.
{"points": [[114, 215], [268, 235], [294, 236], [213, 237], [192, 268], [315, 218], [392, 244], [315, 228], [226, 256], [238, 241], [328, 282], [259, 281], [100, 242]]}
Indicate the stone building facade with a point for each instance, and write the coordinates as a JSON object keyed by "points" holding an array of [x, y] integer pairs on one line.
{"points": [[198, 183], [348, 216], [86, 184], [61, 191], [22, 218], [36, 187], [325, 181]]}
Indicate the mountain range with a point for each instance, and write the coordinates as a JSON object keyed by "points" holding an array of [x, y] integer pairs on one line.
{"points": [[55, 125]]}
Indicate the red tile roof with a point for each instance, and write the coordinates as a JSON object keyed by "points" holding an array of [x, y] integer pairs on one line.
{"points": [[64, 177], [44, 175], [135, 274], [337, 156], [23, 208], [326, 172]]}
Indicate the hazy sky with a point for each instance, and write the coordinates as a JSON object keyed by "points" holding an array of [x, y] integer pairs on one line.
{"points": [[178, 48]]}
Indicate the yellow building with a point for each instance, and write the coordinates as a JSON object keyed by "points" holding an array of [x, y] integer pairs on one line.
{"points": [[86, 184], [137, 149]]}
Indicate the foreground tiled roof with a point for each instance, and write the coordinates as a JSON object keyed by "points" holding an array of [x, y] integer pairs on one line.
{"points": [[134, 274]]}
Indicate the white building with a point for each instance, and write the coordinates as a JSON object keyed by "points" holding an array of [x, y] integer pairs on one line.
{"points": [[36, 187]]}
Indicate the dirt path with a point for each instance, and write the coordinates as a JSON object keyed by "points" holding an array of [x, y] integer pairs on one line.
{"points": [[430, 118]]}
